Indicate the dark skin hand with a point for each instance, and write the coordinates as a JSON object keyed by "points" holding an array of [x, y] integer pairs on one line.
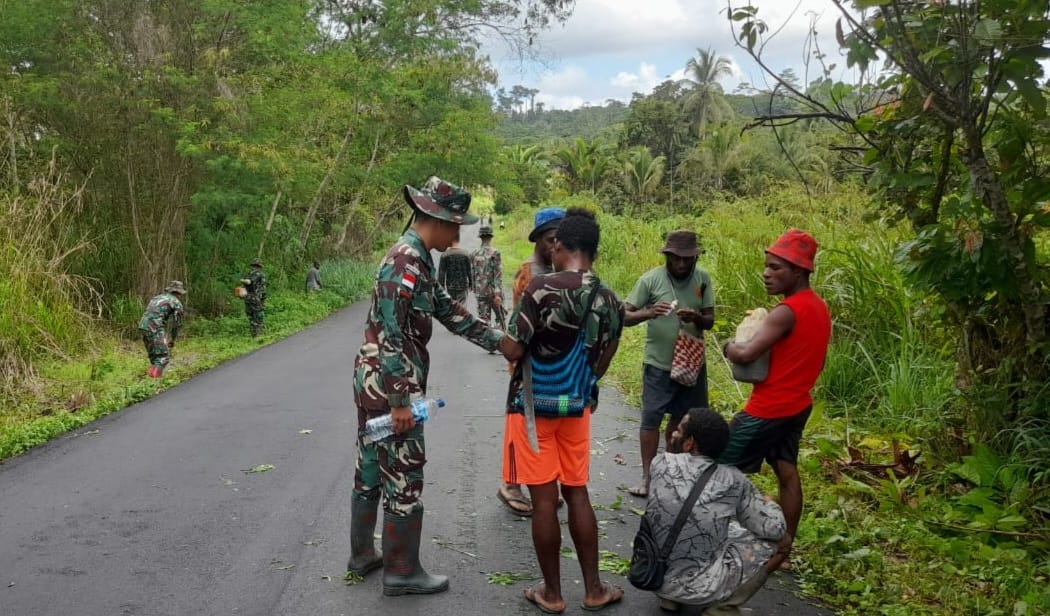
{"points": [[704, 319]]}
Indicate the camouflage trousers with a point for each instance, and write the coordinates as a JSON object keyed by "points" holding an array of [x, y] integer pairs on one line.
{"points": [[486, 308], [460, 295], [156, 347], [394, 465], [256, 314]]}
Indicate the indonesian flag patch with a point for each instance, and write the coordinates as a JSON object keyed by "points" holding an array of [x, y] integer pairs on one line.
{"points": [[408, 283]]}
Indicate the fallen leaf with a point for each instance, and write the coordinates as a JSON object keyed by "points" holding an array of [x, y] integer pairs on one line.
{"points": [[306, 431], [259, 468], [618, 458]]}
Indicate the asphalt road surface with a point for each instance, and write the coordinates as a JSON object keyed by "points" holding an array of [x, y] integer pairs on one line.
{"points": [[149, 511]]}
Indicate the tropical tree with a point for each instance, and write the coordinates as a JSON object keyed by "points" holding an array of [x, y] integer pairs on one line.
{"points": [[583, 164], [703, 98], [642, 173], [951, 141]]}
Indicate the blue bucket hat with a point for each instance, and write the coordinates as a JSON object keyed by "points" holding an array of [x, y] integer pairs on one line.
{"points": [[546, 218]]}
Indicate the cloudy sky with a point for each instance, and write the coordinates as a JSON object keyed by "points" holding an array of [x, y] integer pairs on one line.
{"points": [[610, 49]]}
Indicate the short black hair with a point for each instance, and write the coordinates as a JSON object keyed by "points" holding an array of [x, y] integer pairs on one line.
{"points": [[579, 231], [708, 430]]}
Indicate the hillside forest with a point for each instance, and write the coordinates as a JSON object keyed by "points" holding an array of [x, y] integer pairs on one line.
{"points": [[149, 141]]}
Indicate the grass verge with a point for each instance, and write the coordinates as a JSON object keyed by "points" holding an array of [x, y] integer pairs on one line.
{"points": [[111, 375]]}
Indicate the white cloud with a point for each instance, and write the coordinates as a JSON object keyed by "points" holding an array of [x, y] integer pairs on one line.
{"points": [[610, 49]]}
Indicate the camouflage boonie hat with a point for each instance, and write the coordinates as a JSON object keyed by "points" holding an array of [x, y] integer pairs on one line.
{"points": [[485, 231], [175, 286], [256, 263], [442, 200]]}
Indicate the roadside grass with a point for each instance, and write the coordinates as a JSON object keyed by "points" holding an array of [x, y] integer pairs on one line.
{"points": [[110, 375]]}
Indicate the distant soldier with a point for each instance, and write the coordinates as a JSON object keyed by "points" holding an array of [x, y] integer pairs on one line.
{"points": [[255, 300], [313, 277], [163, 316], [488, 277], [454, 272]]}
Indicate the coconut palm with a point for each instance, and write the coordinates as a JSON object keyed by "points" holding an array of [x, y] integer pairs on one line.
{"points": [[703, 99]]}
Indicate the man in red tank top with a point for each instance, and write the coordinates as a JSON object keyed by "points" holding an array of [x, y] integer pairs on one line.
{"points": [[796, 333]]}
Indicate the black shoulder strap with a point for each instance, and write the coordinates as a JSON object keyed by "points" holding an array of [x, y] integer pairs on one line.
{"points": [[690, 502]]}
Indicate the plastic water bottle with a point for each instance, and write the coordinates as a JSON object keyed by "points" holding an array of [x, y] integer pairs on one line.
{"points": [[379, 428]]}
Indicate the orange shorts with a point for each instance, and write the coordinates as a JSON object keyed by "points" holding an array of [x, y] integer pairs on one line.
{"points": [[565, 450]]}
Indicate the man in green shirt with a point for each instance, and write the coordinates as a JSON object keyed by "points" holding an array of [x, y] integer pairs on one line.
{"points": [[675, 296]]}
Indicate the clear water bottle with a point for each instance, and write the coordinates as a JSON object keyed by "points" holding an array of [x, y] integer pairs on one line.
{"points": [[382, 427]]}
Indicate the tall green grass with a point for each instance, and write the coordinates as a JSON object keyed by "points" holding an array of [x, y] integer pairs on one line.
{"points": [[45, 309]]}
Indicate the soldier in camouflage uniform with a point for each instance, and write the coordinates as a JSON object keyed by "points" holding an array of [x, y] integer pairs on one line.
{"points": [[255, 301], [546, 325], [163, 316], [488, 277], [454, 272], [392, 365]]}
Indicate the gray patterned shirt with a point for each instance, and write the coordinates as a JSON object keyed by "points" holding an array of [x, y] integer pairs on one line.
{"points": [[732, 531]]}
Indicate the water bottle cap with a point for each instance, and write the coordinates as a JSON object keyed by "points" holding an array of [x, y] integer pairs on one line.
{"points": [[440, 402]]}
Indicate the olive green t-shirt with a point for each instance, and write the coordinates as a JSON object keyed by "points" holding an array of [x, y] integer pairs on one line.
{"points": [[655, 286]]}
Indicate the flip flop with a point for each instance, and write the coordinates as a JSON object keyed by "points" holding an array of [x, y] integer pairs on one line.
{"points": [[638, 492], [614, 594], [533, 596], [510, 501]]}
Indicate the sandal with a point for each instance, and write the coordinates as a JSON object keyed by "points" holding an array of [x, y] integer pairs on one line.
{"points": [[638, 492], [613, 594], [518, 505], [534, 595]]}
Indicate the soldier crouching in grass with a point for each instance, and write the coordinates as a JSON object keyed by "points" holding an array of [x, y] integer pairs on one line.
{"points": [[391, 365], [160, 325]]}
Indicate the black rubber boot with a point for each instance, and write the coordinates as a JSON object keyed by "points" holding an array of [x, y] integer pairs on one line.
{"points": [[402, 573], [363, 555]]}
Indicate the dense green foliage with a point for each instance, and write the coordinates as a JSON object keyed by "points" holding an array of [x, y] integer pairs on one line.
{"points": [[144, 142]]}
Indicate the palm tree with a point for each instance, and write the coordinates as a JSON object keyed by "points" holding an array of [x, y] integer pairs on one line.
{"points": [[704, 95], [642, 172], [584, 164]]}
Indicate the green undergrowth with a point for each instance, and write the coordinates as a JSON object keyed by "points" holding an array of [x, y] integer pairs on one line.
{"points": [[111, 375]]}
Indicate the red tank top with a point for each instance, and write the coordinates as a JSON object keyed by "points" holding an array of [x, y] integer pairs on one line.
{"points": [[795, 360]]}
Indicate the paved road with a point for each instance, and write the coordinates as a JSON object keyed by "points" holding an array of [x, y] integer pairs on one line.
{"points": [[149, 511]]}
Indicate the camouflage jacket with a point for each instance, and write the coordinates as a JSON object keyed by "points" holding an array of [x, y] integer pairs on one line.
{"points": [[454, 271], [255, 282], [164, 310], [488, 272], [393, 361], [547, 319]]}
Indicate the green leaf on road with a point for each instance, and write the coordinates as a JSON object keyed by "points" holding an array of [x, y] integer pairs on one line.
{"points": [[259, 468], [502, 578]]}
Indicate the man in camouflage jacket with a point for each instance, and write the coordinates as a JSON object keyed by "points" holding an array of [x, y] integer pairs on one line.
{"points": [[391, 366], [488, 277], [255, 301], [163, 316], [454, 272]]}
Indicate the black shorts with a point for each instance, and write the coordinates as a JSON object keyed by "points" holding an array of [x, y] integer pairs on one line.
{"points": [[661, 395], [752, 439]]}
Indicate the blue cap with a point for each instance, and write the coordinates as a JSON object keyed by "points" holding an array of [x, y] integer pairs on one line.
{"points": [[546, 218]]}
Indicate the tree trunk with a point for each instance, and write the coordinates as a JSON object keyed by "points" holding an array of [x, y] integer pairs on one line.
{"points": [[988, 187], [312, 212], [269, 224]]}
